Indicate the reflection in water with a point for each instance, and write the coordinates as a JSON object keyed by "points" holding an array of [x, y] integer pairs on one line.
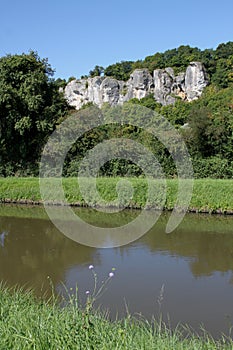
{"points": [[207, 252], [194, 263], [2, 238], [36, 250]]}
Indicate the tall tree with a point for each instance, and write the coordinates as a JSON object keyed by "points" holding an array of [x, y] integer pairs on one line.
{"points": [[30, 105]]}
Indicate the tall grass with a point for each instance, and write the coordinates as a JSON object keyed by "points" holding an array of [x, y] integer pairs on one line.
{"points": [[209, 195], [29, 323]]}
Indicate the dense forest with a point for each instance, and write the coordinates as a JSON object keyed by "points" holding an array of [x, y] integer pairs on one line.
{"points": [[32, 106]]}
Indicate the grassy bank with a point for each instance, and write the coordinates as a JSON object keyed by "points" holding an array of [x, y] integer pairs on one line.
{"points": [[209, 195], [27, 323]]}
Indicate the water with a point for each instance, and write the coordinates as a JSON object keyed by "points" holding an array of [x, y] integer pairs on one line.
{"points": [[187, 275]]}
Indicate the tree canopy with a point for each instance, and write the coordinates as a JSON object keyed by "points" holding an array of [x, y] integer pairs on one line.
{"points": [[30, 107], [218, 63]]}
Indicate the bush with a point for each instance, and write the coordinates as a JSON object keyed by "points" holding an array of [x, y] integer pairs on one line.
{"points": [[214, 167]]}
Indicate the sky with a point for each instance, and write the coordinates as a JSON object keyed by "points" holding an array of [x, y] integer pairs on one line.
{"points": [[76, 35]]}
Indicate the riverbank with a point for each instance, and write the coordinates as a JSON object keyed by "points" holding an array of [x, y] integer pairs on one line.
{"points": [[209, 195], [29, 323]]}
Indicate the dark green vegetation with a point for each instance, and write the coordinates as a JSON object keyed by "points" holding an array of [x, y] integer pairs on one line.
{"points": [[208, 195], [28, 323], [208, 137], [218, 63], [31, 107]]}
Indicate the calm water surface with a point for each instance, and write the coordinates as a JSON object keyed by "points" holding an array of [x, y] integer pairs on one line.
{"points": [[187, 275]]}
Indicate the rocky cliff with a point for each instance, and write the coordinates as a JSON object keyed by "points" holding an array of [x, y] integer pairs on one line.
{"points": [[164, 85]]}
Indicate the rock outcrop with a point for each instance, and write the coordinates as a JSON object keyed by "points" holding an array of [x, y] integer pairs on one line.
{"points": [[139, 85], [164, 85], [195, 80]]}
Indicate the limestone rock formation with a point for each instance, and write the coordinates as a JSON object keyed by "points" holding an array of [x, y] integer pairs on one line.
{"points": [[195, 80], [139, 84], [164, 85]]}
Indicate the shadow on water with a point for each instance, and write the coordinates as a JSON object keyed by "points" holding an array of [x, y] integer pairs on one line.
{"points": [[187, 274]]}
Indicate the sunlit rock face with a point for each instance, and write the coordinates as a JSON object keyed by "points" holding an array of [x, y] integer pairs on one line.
{"points": [[139, 85], [164, 80], [164, 85], [195, 80]]}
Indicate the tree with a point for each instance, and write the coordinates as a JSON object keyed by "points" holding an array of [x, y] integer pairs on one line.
{"points": [[223, 75], [224, 50], [199, 121], [30, 105], [120, 70], [96, 72]]}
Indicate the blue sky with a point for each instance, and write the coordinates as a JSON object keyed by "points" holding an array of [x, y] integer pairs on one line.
{"points": [[77, 35]]}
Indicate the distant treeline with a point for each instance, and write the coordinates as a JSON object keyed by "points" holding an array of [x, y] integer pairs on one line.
{"points": [[218, 63], [31, 107]]}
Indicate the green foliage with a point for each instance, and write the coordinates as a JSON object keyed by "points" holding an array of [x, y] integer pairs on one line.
{"points": [[178, 113], [208, 132], [70, 79], [223, 75], [199, 121], [148, 102], [61, 83], [96, 72], [224, 50], [211, 125], [120, 70], [218, 63], [178, 58], [213, 167], [30, 106]]}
